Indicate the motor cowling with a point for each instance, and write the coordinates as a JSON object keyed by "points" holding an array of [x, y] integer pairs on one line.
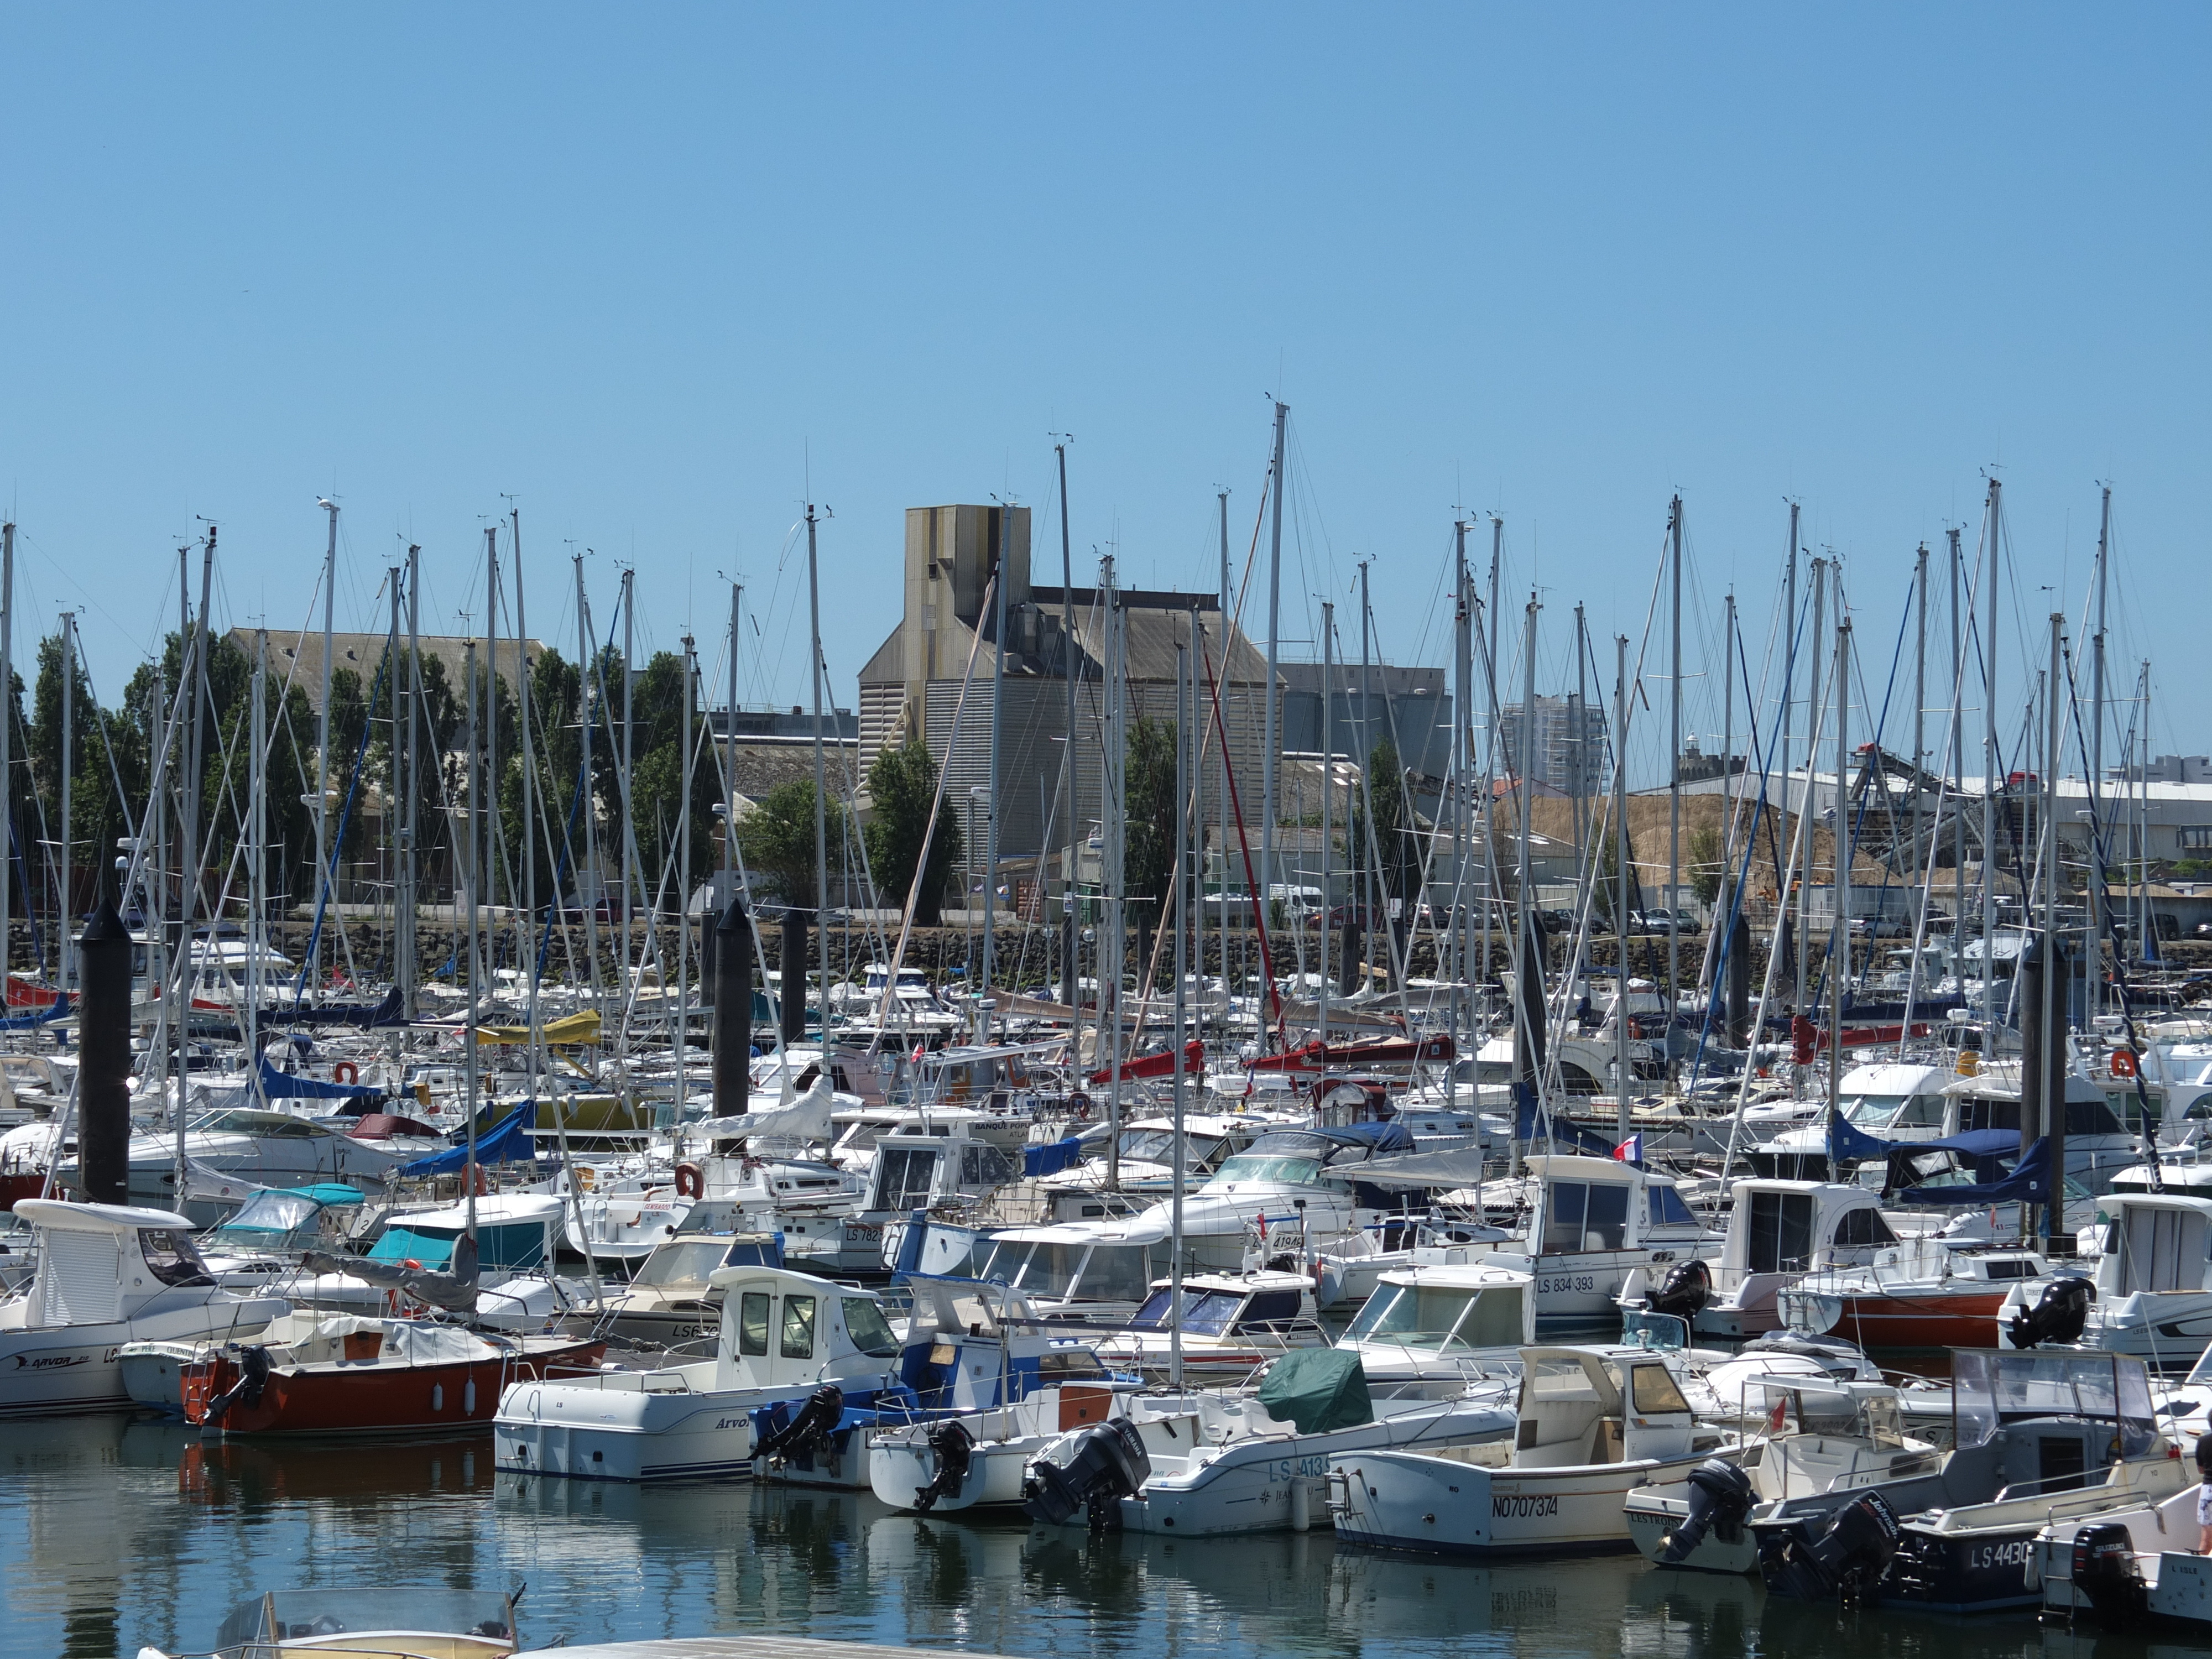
{"points": [[1684, 1291], [253, 1379], [1840, 1557], [953, 1449], [2107, 1575], [1720, 1500], [2058, 1315], [1103, 1462], [810, 1428]]}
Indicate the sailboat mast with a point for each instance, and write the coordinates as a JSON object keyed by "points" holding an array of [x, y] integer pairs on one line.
{"points": [[1113, 809], [590, 883], [1463, 808], [323, 893], [795, 973], [1819, 574], [488, 885], [411, 819], [1919, 708], [1002, 565], [526, 923], [2092, 957], [1839, 925], [257, 863], [1674, 788], [1070, 946], [64, 956], [1990, 778], [630, 872], [680, 1046], [7, 739], [1958, 762], [1221, 759], [1327, 756], [1269, 739], [1621, 1073]]}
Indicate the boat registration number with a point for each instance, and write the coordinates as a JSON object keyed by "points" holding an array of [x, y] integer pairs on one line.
{"points": [[1566, 1282], [1505, 1507], [2013, 1554]]}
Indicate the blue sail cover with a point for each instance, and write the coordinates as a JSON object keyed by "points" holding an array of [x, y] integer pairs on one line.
{"points": [[390, 1011], [2028, 1183], [275, 1085], [1561, 1132], [58, 1010], [508, 1142]]}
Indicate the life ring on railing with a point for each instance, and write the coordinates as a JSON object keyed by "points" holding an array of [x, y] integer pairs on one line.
{"points": [[690, 1182], [2123, 1062], [346, 1072], [1078, 1107], [483, 1186]]}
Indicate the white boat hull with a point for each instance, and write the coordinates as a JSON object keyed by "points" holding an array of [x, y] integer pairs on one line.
{"points": [[1409, 1500], [46, 1370], [601, 1430]]}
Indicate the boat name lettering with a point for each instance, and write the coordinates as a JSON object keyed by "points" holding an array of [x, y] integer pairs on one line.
{"points": [[53, 1362], [1504, 1506]]}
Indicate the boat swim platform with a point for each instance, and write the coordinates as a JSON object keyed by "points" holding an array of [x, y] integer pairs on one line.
{"points": [[747, 1647]]}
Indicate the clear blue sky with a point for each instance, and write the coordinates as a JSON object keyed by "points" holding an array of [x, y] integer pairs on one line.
{"points": [[646, 269]]}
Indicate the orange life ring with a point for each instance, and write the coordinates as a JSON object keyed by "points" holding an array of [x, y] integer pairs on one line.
{"points": [[2123, 1062], [690, 1182], [482, 1185], [346, 1072]]}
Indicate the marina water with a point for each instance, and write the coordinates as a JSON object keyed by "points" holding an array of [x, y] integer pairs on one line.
{"points": [[123, 1533]]}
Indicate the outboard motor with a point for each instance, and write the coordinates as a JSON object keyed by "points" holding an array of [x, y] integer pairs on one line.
{"points": [[252, 1379], [1839, 1557], [1105, 1462], [952, 1447], [1685, 1290], [2106, 1573], [2058, 1315], [810, 1428], [1720, 1500]]}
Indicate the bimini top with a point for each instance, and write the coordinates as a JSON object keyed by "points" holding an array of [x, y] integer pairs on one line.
{"points": [[66, 1216]]}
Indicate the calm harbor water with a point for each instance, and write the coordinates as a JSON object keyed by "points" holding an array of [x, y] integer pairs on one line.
{"points": [[120, 1533]]}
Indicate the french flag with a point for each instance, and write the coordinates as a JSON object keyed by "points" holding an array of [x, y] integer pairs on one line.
{"points": [[1630, 1151]]}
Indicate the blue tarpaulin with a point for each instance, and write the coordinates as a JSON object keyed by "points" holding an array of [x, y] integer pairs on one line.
{"points": [[508, 1143], [1560, 1131], [1052, 1157], [390, 1011], [2028, 1183], [277, 1085], [60, 1010]]}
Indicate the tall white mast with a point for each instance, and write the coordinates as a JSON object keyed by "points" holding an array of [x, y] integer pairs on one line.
{"points": [[794, 973], [2093, 957], [1991, 779], [1269, 740], [1674, 791], [323, 892]]}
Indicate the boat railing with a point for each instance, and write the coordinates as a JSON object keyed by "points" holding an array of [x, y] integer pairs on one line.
{"points": [[2077, 1481]]}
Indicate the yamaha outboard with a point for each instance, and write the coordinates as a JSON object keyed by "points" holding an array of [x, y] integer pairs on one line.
{"points": [[952, 1446], [1720, 1500], [1685, 1290], [2106, 1573], [2057, 1316], [1104, 1463], [1840, 1556], [810, 1428]]}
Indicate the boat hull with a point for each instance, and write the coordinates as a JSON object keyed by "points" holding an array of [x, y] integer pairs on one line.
{"points": [[1410, 1501], [373, 1398], [59, 1369], [1964, 1319]]}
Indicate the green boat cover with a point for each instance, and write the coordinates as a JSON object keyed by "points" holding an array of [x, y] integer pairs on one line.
{"points": [[1318, 1389]]}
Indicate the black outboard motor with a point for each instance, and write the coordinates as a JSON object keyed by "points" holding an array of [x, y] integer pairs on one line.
{"points": [[1685, 1290], [2106, 1573], [1838, 1557], [1720, 1499], [252, 1379], [810, 1428], [1106, 1462], [952, 1446], [2058, 1315]]}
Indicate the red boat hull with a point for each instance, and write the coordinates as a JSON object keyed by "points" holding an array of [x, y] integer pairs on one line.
{"points": [[1318, 1057], [1967, 1320], [376, 1399], [22, 993]]}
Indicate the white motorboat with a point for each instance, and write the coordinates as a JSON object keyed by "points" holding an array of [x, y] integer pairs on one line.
{"points": [[271, 1149], [108, 1274], [1230, 1325], [2153, 1284], [2127, 1569], [1892, 1100], [411, 1621], [1450, 1320], [1777, 1232], [1594, 1221], [1593, 1425]]}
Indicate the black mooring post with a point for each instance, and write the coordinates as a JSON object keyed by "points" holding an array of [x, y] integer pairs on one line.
{"points": [[734, 1010], [103, 1101]]}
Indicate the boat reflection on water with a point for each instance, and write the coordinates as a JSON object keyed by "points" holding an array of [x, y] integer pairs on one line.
{"points": [[252, 1475]]}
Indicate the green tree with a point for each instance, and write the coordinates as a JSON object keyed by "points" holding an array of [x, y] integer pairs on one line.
{"points": [[1149, 821], [902, 784], [1705, 863], [1396, 827], [777, 839]]}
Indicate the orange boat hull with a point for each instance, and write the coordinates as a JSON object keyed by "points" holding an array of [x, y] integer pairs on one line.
{"points": [[371, 1398]]}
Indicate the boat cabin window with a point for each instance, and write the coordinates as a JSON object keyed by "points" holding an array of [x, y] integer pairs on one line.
{"points": [[1652, 1391], [984, 1166], [1863, 1227], [1985, 1114], [171, 1258], [1205, 1313], [1270, 1310], [1583, 1215], [1440, 1318], [904, 1175], [1781, 1233], [752, 1323], [1118, 1272], [865, 1324], [1872, 1112], [798, 1328], [2091, 1117], [1037, 1268], [1276, 1171], [1668, 1209]]}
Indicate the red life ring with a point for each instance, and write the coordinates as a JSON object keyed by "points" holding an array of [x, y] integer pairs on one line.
{"points": [[346, 1072], [2123, 1062], [482, 1185], [689, 1181]]}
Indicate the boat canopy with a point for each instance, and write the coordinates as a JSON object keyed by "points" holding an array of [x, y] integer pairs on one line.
{"points": [[1317, 1389]]}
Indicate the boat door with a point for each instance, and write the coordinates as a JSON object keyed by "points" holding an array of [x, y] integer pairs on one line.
{"points": [[1655, 1418]]}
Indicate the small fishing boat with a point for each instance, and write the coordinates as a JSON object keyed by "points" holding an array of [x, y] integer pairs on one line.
{"points": [[671, 1301], [1232, 1325], [1922, 1294], [1592, 1424], [1777, 1232], [2152, 1285], [349, 1374], [2131, 1569], [108, 1274], [1594, 1223], [1443, 1321]]}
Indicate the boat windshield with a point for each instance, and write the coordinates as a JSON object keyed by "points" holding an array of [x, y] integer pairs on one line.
{"points": [[1148, 1145], [1276, 1171], [302, 1615], [1205, 1313], [683, 1261], [239, 1120], [1444, 1320], [870, 1331], [1991, 1389], [1895, 1111], [271, 1212]]}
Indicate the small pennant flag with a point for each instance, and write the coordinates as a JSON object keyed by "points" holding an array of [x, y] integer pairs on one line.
{"points": [[1630, 1151], [1779, 1415]]}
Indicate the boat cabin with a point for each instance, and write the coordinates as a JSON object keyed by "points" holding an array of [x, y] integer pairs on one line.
{"points": [[1586, 1406], [972, 1346], [1422, 1319], [100, 1264], [2156, 1241], [514, 1230], [1264, 1305], [918, 1170], [1096, 1271], [782, 1329]]}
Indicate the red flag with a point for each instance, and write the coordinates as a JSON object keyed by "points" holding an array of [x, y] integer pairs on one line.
{"points": [[1779, 1415]]}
